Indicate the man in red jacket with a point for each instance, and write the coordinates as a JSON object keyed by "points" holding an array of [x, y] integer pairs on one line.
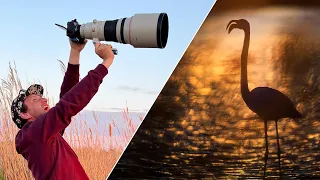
{"points": [[39, 139]]}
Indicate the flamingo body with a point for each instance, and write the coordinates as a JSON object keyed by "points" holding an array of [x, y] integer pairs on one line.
{"points": [[271, 104]]}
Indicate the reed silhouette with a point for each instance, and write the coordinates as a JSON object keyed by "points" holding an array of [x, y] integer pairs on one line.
{"points": [[269, 104]]}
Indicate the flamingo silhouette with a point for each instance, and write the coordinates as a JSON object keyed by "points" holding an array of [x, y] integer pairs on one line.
{"points": [[267, 103]]}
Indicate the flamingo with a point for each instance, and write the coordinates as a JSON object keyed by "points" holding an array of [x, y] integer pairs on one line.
{"points": [[269, 104]]}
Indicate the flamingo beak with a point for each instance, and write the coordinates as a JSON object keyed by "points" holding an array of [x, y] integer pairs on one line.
{"points": [[231, 26]]}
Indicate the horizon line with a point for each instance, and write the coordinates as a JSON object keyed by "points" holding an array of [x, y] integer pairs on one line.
{"points": [[116, 110]]}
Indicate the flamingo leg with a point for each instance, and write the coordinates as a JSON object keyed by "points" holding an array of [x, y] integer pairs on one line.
{"points": [[267, 149], [279, 152]]}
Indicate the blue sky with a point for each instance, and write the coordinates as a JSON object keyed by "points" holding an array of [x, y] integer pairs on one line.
{"points": [[30, 38]]}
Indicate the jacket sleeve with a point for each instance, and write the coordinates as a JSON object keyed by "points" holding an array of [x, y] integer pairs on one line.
{"points": [[71, 78], [59, 117]]}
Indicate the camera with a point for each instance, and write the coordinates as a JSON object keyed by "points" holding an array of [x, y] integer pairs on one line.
{"points": [[148, 30]]}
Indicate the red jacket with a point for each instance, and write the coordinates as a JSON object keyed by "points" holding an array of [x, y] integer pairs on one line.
{"points": [[41, 143]]}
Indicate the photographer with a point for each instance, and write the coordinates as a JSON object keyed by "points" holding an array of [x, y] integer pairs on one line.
{"points": [[39, 139]]}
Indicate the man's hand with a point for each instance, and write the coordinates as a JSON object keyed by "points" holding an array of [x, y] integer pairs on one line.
{"points": [[77, 47], [75, 52], [105, 52]]}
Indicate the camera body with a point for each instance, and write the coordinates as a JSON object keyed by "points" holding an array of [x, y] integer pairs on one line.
{"points": [[73, 31], [148, 30]]}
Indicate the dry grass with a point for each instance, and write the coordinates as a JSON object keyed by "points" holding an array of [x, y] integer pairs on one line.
{"points": [[97, 152]]}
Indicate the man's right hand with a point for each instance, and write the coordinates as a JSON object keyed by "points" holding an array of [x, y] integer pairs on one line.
{"points": [[105, 52]]}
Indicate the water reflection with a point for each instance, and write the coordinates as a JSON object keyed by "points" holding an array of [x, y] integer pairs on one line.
{"points": [[200, 125]]}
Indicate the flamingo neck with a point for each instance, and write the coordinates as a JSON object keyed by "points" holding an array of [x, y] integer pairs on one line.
{"points": [[244, 58]]}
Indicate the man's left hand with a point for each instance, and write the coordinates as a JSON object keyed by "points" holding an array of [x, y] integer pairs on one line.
{"points": [[77, 47]]}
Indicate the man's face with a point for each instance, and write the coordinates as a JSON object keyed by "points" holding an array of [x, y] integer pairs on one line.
{"points": [[36, 106]]}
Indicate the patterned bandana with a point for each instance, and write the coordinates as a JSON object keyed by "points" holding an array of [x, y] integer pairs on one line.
{"points": [[18, 103]]}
